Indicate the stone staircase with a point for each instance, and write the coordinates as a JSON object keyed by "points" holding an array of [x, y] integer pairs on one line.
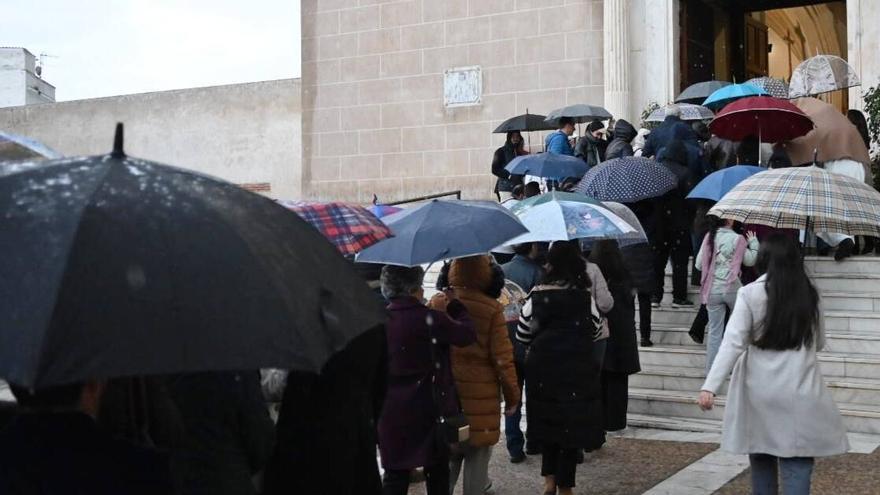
{"points": [[664, 394]]}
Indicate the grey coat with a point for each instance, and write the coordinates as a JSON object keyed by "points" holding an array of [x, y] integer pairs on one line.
{"points": [[777, 402]]}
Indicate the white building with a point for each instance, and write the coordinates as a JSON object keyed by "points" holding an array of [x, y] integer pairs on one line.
{"points": [[20, 83]]}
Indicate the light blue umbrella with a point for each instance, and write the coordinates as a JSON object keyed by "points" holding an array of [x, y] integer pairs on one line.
{"points": [[729, 94], [548, 165], [561, 216], [719, 183], [443, 230]]}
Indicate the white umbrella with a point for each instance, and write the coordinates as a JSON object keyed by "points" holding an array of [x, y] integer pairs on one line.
{"points": [[822, 74]]}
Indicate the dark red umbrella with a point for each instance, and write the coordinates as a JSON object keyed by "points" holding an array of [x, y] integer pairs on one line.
{"points": [[769, 119]]}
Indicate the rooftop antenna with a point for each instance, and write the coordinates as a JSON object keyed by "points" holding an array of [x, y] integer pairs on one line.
{"points": [[41, 62]]}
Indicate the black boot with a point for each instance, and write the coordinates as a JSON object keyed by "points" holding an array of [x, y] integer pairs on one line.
{"points": [[844, 250]]}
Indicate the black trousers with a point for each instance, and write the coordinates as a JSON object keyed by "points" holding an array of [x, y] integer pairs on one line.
{"points": [[645, 315], [396, 481], [559, 463], [615, 399], [675, 246]]}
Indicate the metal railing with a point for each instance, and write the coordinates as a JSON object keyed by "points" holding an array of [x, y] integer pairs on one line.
{"points": [[457, 195]]}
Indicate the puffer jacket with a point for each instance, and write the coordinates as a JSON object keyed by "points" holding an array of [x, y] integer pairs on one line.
{"points": [[620, 146], [482, 368]]}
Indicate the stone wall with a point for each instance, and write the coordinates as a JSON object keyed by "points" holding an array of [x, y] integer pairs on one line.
{"points": [[373, 115], [244, 133]]}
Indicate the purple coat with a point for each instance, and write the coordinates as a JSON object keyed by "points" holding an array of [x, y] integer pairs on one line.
{"points": [[406, 425]]}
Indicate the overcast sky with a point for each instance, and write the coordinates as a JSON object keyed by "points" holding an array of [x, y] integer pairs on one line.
{"points": [[104, 47]]}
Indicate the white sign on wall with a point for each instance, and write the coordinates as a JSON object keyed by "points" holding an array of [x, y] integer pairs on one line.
{"points": [[462, 86]]}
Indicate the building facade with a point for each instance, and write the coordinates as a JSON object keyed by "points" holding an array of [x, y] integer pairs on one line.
{"points": [[20, 83]]}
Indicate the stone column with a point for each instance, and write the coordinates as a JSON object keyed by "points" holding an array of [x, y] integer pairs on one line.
{"points": [[616, 36]]}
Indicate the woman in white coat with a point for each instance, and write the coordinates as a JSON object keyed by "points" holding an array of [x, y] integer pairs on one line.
{"points": [[778, 409]]}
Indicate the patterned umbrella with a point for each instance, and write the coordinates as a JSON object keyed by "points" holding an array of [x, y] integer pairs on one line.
{"points": [[729, 94], [14, 147], [696, 93], [689, 111], [561, 216], [627, 180], [769, 119], [629, 239], [800, 197], [580, 113], [776, 88], [822, 74], [350, 228]]}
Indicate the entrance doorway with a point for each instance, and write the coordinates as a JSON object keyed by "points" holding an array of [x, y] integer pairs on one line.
{"points": [[736, 40]]}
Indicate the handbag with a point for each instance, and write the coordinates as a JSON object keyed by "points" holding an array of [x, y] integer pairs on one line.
{"points": [[450, 429]]}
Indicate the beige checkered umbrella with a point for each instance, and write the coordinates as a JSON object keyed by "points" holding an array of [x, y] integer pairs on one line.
{"points": [[795, 198]]}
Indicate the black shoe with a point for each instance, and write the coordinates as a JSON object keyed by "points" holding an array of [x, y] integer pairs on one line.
{"points": [[823, 251], [655, 302], [579, 456], [844, 250], [868, 246], [646, 343], [682, 303], [530, 450], [517, 458]]}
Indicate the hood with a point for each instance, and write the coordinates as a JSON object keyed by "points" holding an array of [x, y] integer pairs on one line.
{"points": [[473, 272], [624, 130]]}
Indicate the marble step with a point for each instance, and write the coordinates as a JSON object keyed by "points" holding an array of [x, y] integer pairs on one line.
{"points": [[835, 321], [859, 418], [827, 264], [849, 365], [844, 390], [835, 340], [825, 281], [832, 300]]}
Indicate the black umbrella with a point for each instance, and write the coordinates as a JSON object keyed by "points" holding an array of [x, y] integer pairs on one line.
{"points": [[526, 122], [697, 93], [580, 113], [115, 266]]}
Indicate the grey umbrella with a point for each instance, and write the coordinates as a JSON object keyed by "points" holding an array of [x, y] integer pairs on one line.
{"points": [[689, 111], [580, 112], [822, 74], [697, 93], [776, 88]]}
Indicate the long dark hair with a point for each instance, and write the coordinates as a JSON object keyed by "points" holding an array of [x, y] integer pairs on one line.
{"points": [[858, 119], [607, 256], [567, 266], [792, 300]]}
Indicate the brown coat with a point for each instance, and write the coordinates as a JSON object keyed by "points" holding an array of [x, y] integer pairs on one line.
{"points": [[485, 369]]}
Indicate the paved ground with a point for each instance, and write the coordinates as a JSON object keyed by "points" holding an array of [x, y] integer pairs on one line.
{"points": [[624, 466]]}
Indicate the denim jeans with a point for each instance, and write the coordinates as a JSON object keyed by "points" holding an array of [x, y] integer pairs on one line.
{"points": [[717, 307], [796, 474], [513, 434]]}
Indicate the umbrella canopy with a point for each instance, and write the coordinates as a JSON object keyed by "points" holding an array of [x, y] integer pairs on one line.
{"points": [[689, 111], [637, 236], [580, 113], [776, 88], [115, 266], [381, 211], [719, 183], [550, 165], [442, 230], [526, 122], [561, 216], [14, 147], [834, 137], [697, 93], [350, 228], [822, 74], [792, 197], [767, 118], [627, 180], [731, 93]]}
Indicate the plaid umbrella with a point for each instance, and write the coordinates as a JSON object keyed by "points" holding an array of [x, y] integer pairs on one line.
{"points": [[627, 180], [14, 147], [689, 111], [776, 88], [350, 228], [795, 198]]}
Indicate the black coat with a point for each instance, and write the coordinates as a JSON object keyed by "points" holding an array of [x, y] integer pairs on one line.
{"points": [[638, 260], [620, 146], [621, 351], [590, 150], [229, 435], [506, 181], [327, 424], [67, 453], [672, 128], [564, 395]]}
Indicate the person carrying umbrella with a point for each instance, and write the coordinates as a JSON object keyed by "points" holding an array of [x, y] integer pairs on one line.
{"points": [[672, 128], [620, 146], [514, 146], [557, 142], [591, 147]]}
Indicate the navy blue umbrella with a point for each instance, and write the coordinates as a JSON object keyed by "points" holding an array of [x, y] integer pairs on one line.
{"points": [[549, 165], [627, 180], [443, 230]]}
